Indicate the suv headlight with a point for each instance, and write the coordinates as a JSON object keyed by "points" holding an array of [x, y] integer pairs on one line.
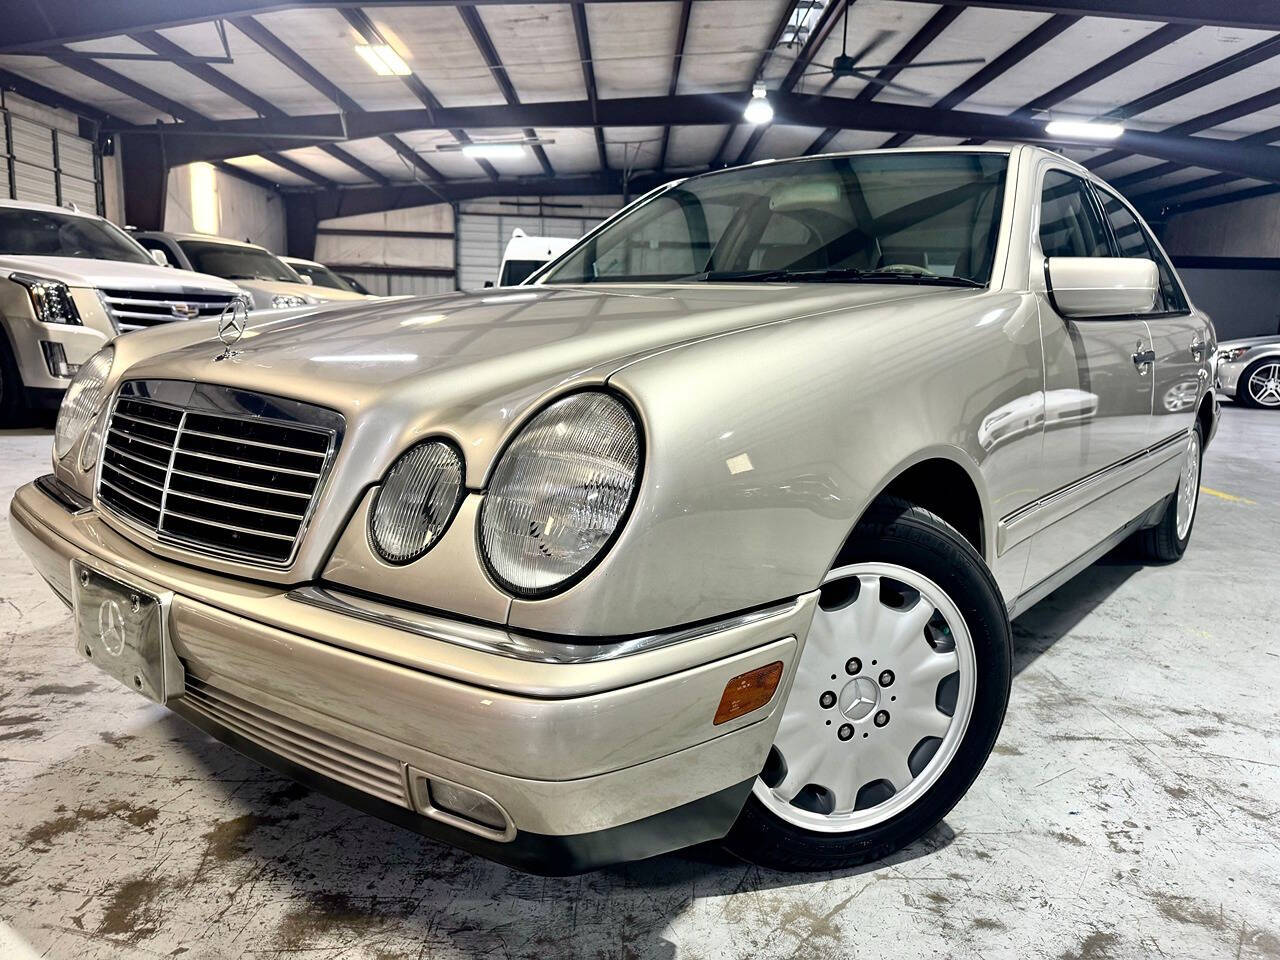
{"points": [[560, 494], [81, 400], [50, 299], [416, 501], [288, 300]]}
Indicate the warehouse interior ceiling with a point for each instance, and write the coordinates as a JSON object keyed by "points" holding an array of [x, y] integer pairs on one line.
{"points": [[372, 106]]}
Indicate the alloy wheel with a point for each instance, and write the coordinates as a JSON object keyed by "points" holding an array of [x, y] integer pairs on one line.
{"points": [[881, 701], [1264, 385], [1188, 486]]}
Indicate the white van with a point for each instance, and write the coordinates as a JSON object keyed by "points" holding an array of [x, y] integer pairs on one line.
{"points": [[525, 254]]}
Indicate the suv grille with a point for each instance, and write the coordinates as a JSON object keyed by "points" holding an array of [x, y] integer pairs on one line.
{"points": [[135, 309], [238, 484]]}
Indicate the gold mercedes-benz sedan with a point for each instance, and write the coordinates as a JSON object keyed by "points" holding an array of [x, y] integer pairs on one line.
{"points": [[711, 530]]}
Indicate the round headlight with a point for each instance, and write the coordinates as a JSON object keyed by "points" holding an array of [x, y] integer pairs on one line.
{"points": [[81, 401], [560, 493], [417, 500]]}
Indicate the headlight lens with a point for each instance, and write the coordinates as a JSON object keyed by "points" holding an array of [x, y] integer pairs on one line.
{"points": [[417, 500], [287, 300], [1234, 353], [560, 493], [50, 299], [92, 445], [81, 401]]}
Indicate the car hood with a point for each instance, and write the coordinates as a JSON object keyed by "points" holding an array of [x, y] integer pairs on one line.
{"points": [[1249, 342], [468, 365], [115, 274]]}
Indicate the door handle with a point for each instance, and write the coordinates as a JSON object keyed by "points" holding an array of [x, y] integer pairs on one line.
{"points": [[1197, 349], [1143, 359]]}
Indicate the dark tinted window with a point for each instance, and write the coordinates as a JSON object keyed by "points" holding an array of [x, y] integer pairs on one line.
{"points": [[44, 233], [234, 262], [1134, 241], [1070, 225], [920, 215]]}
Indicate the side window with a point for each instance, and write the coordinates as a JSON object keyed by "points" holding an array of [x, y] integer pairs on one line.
{"points": [[1069, 222], [1134, 241]]}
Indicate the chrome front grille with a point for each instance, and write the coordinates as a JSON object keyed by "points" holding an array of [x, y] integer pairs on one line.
{"points": [[134, 309], [356, 766], [216, 470]]}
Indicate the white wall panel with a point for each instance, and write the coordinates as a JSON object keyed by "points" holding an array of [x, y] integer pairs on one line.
{"points": [[245, 210]]}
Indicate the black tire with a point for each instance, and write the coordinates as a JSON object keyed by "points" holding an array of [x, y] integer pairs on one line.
{"points": [[12, 393], [1243, 396], [1161, 543], [897, 532]]}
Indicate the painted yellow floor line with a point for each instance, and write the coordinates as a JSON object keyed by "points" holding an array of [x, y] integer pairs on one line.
{"points": [[1227, 496]]}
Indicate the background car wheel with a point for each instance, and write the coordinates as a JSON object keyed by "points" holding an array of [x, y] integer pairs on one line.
{"points": [[899, 695], [1167, 540], [1259, 385]]}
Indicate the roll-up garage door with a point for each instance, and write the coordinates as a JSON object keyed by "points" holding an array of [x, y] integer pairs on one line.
{"points": [[42, 164]]}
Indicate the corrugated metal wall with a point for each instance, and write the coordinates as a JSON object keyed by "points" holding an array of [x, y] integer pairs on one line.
{"points": [[485, 226], [42, 160], [395, 252]]}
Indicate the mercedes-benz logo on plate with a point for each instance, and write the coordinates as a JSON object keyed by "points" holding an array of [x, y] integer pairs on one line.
{"points": [[111, 627]]}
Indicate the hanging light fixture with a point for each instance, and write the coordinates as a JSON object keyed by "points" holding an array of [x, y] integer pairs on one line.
{"points": [[758, 110]]}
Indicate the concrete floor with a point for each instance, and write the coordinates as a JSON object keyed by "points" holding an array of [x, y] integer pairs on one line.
{"points": [[1132, 806]]}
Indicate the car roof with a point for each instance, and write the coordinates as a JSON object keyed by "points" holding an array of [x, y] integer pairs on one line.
{"points": [[309, 263], [48, 208]]}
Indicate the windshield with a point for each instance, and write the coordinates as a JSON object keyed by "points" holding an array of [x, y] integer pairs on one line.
{"points": [[913, 217], [322, 276], [233, 262], [45, 233]]}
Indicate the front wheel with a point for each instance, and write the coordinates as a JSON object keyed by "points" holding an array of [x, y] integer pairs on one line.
{"points": [[897, 700], [1259, 385]]}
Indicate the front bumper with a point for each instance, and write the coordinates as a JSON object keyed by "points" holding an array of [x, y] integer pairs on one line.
{"points": [[1227, 376], [78, 341], [591, 761]]}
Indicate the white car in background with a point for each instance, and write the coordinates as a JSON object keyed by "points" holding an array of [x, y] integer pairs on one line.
{"points": [[318, 275], [69, 282], [525, 254], [1248, 371], [271, 282]]}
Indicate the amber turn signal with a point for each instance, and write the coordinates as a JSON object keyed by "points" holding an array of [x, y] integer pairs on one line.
{"points": [[748, 691]]}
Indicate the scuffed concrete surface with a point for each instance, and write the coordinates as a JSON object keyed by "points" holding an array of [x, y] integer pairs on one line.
{"points": [[1131, 809]]}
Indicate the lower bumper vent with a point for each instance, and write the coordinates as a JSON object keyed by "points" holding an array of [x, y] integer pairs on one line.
{"points": [[357, 767]]}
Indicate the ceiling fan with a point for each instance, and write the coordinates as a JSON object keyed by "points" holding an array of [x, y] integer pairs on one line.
{"points": [[848, 65]]}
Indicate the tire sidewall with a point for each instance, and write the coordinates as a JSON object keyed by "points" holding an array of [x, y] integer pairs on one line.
{"points": [[1242, 385], [921, 542]]}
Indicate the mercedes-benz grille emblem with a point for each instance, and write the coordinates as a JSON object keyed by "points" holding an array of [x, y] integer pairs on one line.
{"points": [[111, 627], [231, 326]]}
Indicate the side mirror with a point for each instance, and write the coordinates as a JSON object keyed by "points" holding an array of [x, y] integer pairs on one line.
{"points": [[1102, 286], [307, 279], [160, 259], [488, 284]]}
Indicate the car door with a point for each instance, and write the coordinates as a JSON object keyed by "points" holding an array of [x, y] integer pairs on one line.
{"points": [[1098, 389], [1179, 337]]}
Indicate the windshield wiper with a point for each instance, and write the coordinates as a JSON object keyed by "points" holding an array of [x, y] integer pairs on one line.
{"points": [[831, 275]]}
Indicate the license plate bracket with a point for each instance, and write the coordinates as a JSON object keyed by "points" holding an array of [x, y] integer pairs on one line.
{"points": [[122, 628]]}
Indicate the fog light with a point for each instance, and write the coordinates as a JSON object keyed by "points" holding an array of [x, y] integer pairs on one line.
{"points": [[55, 358], [467, 804], [459, 806], [748, 691]]}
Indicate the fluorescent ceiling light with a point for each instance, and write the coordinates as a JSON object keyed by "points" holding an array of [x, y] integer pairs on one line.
{"points": [[759, 110], [384, 61], [493, 151], [1083, 130]]}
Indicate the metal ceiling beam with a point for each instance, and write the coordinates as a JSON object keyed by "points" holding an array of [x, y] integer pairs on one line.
{"points": [[484, 43], [1028, 45], [269, 42], [215, 78], [38, 91], [677, 58], [583, 36], [66, 21], [361, 23], [218, 140]]}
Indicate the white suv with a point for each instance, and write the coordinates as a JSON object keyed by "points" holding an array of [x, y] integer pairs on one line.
{"points": [[69, 282]]}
